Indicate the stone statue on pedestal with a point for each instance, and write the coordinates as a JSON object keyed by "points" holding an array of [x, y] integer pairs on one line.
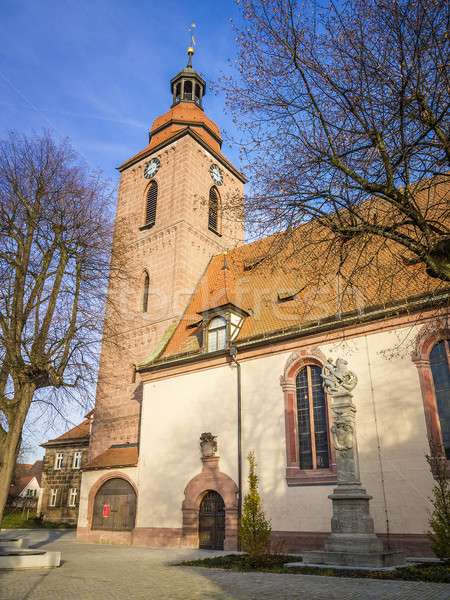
{"points": [[352, 541]]}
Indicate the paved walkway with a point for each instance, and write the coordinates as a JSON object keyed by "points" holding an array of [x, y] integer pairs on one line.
{"points": [[97, 572]]}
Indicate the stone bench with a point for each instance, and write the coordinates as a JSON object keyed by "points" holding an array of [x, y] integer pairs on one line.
{"points": [[28, 559]]}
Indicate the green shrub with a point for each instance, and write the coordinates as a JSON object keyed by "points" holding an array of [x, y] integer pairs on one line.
{"points": [[254, 527], [439, 522]]}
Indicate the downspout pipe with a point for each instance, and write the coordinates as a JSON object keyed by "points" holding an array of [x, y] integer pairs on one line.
{"points": [[233, 353]]}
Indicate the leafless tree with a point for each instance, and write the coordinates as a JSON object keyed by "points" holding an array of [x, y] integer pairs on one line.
{"points": [[346, 116], [55, 234]]}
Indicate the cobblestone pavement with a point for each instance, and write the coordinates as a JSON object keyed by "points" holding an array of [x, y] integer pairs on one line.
{"points": [[97, 572]]}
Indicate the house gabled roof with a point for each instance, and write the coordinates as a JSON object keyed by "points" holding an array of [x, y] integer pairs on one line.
{"points": [[35, 470], [299, 283], [78, 434], [21, 484]]}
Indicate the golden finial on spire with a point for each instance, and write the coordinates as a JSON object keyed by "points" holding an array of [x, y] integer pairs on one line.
{"points": [[225, 264], [190, 50]]}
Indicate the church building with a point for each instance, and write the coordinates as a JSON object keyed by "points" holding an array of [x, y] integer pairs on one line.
{"points": [[212, 351]]}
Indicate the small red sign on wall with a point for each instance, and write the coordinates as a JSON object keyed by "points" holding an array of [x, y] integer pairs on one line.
{"points": [[106, 510]]}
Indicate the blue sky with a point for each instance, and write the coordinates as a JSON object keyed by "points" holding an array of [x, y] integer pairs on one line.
{"points": [[98, 72]]}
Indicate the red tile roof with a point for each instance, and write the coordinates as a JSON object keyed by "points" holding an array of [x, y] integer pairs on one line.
{"points": [[182, 119], [300, 283], [224, 291], [35, 470], [79, 432], [20, 484], [114, 457]]}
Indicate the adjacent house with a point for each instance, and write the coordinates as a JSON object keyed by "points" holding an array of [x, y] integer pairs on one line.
{"points": [[26, 485], [61, 474]]}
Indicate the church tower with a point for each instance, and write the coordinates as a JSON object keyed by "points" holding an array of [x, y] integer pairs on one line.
{"points": [[178, 205]]}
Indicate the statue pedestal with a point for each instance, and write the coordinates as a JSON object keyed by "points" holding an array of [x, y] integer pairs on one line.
{"points": [[352, 542]]}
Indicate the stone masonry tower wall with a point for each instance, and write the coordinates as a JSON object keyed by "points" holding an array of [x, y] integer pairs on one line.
{"points": [[173, 253]]}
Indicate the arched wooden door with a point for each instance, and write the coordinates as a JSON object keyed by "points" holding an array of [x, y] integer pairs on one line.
{"points": [[115, 506], [211, 521]]}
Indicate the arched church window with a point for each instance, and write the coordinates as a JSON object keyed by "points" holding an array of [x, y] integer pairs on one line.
{"points": [[213, 210], [310, 453], [217, 334], [152, 199], [439, 363], [145, 293], [312, 419]]}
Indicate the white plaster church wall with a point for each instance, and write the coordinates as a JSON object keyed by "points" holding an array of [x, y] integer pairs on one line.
{"points": [[177, 410]]}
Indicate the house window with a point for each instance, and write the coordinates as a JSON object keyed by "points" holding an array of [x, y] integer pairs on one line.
{"points": [[439, 363], [145, 293], [213, 210], [432, 359], [312, 419], [152, 198], [217, 334], [77, 460], [73, 497], [58, 461], [310, 453], [53, 495], [31, 493]]}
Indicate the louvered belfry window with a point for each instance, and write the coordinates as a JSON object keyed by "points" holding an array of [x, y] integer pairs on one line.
{"points": [[152, 198], [213, 210]]}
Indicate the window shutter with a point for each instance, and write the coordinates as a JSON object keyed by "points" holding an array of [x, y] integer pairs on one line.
{"points": [[213, 209], [152, 197]]}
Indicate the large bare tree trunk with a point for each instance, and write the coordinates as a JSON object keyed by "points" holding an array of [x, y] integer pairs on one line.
{"points": [[9, 449]]}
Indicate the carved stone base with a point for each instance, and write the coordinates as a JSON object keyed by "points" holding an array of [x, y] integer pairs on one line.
{"points": [[352, 528], [352, 542], [373, 560]]}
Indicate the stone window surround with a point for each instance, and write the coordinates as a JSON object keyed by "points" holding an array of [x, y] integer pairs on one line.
{"points": [[53, 496], [72, 501], [428, 337], [294, 474], [77, 456], [218, 211], [154, 185], [145, 286], [58, 461]]}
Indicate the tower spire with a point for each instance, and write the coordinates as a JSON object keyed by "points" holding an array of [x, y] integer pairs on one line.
{"points": [[188, 86]]}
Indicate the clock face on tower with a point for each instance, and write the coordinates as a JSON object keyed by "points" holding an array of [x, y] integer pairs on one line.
{"points": [[151, 168], [216, 174]]}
